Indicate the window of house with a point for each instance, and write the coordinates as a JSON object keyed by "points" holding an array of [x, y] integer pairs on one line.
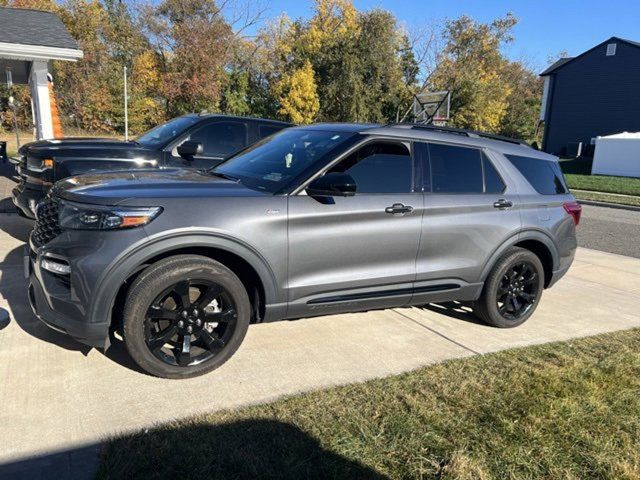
{"points": [[380, 167], [611, 49]]}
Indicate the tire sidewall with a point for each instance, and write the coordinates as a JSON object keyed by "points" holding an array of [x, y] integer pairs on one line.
{"points": [[493, 281], [162, 276]]}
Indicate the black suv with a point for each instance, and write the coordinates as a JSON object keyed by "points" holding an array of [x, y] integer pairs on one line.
{"points": [[195, 140]]}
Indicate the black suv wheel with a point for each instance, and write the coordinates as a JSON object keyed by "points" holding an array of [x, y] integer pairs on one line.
{"points": [[512, 290], [185, 316]]}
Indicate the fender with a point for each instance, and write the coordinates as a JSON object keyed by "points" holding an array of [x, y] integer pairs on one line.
{"points": [[529, 234], [128, 261]]}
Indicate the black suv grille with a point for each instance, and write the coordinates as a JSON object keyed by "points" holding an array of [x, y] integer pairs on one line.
{"points": [[47, 227]]}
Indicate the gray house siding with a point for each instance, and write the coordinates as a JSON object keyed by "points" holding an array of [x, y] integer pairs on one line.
{"points": [[593, 95]]}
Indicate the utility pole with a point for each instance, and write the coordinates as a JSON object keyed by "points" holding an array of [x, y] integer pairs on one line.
{"points": [[126, 108]]}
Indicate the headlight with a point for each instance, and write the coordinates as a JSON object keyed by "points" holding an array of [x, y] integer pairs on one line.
{"points": [[39, 164], [95, 217]]}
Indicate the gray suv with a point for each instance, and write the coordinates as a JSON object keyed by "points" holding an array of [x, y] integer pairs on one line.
{"points": [[311, 221]]}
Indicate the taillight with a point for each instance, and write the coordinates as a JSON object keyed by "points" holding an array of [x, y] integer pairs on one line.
{"points": [[574, 209]]}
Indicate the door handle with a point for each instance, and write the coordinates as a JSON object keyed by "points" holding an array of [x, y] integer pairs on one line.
{"points": [[502, 204], [399, 208]]}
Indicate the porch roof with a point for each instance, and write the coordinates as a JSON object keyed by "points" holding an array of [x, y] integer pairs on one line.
{"points": [[35, 35]]}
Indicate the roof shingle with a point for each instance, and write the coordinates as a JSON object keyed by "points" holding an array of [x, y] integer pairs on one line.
{"points": [[34, 27]]}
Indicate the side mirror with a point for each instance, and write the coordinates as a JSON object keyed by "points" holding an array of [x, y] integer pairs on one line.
{"points": [[189, 149], [333, 184]]}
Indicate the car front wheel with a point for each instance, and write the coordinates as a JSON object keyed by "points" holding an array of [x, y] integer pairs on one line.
{"points": [[185, 316], [512, 290]]}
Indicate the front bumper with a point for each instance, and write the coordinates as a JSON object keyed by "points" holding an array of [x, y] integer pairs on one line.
{"points": [[53, 303], [25, 198]]}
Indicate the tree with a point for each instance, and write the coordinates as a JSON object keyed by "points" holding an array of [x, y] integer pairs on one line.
{"points": [[471, 65], [297, 95], [359, 61], [523, 103], [193, 41]]}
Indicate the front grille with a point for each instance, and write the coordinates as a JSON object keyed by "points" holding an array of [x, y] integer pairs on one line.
{"points": [[47, 227]]}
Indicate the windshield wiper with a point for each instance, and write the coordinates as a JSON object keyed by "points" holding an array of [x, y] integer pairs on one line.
{"points": [[224, 175]]}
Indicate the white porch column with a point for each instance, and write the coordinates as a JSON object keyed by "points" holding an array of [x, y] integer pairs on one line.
{"points": [[39, 86]]}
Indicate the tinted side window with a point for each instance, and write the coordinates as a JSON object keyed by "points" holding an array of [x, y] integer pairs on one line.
{"points": [[543, 175], [380, 167], [266, 130], [455, 169], [492, 181], [221, 139]]}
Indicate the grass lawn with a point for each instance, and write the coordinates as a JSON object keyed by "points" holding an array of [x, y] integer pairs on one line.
{"points": [[607, 198], [601, 183], [578, 175], [564, 410]]}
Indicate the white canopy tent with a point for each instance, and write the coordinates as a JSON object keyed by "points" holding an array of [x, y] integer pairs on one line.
{"points": [[617, 154], [29, 40]]}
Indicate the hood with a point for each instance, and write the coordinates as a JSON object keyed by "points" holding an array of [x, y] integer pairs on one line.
{"points": [[116, 187], [84, 146]]}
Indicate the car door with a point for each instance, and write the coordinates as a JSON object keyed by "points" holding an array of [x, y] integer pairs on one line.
{"points": [[358, 252], [468, 212], [219, 140]]}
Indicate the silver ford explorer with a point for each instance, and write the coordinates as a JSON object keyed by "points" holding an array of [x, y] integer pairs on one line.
{"points": [[313, 220]]}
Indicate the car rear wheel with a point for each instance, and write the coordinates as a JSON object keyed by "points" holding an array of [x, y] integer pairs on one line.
{"points": [[512, 289], [185, 316]]}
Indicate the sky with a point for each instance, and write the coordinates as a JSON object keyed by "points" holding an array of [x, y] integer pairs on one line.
{"points": [[545, 28]]}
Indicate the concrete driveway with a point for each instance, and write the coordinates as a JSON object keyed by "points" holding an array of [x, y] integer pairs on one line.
{"points": [[56, 395]]}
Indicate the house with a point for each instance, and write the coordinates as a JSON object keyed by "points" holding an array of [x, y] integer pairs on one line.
{"points": [[29, 41], [594, 94]]}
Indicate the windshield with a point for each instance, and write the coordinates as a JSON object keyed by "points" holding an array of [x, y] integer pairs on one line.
{"points": [[163, 134], [271, 164]]}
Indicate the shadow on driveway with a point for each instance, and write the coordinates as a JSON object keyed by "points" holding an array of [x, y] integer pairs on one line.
{"points": [[457, 310], [256, 448]]}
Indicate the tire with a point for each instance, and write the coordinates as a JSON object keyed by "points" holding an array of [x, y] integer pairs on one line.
{"points": [[494, 306], [142, 330]]}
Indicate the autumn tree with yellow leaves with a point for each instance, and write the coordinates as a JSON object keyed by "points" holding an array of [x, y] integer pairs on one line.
{"points": [[488, 92], [298, 96]]}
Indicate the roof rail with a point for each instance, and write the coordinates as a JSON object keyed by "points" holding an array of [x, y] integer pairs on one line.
{"points": [[458, 131]]}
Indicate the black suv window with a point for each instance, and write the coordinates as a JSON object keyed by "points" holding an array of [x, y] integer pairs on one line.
{"points": [[221, 139], [455, 169], [380, 167], [543, 175], [266, 130]]}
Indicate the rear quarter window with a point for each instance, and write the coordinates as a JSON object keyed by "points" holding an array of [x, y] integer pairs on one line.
{"points": [[543, 175]]}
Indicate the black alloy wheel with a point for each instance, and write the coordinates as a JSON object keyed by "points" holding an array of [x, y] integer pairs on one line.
{"points": [[185, 316], [190, 322], [518, 291], [512, 289]]}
